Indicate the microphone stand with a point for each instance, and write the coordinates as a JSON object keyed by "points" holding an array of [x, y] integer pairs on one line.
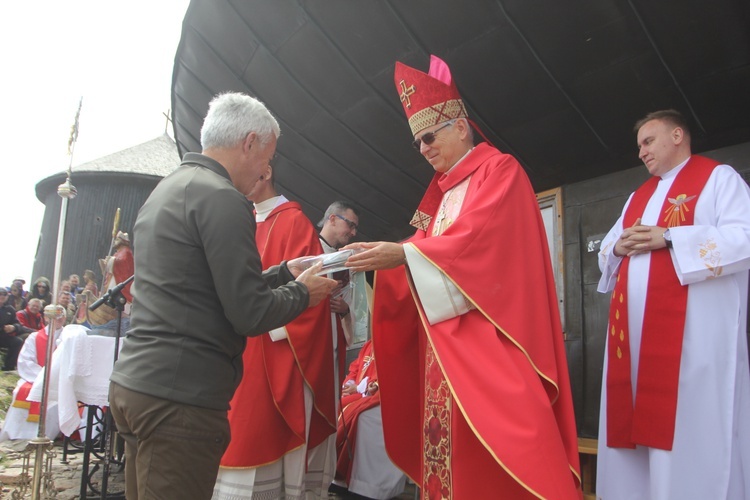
{"points": [[116, 300]]}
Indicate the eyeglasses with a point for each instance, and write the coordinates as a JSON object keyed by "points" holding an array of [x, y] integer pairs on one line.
{"points": [[3, 294], [352, 225], [429, 137]]}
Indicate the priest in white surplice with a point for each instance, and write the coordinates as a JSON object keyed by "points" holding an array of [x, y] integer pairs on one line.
{"points": [[675, 410]]}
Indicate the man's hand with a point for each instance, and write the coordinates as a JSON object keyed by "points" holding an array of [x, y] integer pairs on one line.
{"points": [[317, 286], [372, 388], [376, 255], [349, 388], [640, 239], [9, 328], [295, 265], [338, 304]]}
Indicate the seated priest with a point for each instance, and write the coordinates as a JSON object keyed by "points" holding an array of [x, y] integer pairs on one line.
{"points": [[363, 467], [22, 419]]}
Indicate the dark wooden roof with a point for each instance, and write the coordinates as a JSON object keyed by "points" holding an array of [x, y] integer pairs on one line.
{"points": [[557, 84]]}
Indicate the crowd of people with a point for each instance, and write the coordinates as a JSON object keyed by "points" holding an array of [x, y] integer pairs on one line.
{"points": [[231, 381], [26, 328], [22, 311]]}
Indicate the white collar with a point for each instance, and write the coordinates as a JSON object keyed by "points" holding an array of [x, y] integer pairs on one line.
{"points": [[264, 208]]}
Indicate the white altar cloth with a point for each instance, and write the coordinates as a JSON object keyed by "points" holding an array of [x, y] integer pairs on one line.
{"points": [[81, 367]]}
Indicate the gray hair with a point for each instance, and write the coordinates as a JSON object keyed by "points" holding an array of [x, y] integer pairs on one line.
{"points": [[338, 208], [232, 116]]}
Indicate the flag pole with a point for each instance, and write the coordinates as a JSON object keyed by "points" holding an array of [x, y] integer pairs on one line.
{"points": [[67, 192]]}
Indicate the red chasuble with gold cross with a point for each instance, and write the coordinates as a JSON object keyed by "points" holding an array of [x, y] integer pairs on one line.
{"points": [[267, 413], [479, 405]]}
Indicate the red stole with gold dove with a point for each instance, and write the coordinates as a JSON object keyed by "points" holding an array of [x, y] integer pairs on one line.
{"points": [[650, 420]]}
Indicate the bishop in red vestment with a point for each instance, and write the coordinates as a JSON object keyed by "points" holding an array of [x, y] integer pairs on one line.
{"points": [[474, 385]]}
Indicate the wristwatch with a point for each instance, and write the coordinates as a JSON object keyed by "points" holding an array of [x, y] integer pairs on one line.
{"points": [[667, 238]]}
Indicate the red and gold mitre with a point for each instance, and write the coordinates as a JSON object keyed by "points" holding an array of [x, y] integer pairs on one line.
{"points": [[428, 99]]}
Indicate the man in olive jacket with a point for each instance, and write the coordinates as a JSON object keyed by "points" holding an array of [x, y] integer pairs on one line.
{"points": [[198, 292]]}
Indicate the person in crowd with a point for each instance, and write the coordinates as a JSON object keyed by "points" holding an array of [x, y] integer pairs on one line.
{"points": [[675, 399], [20, 282], [87, 296], [90, 282], [199, 291], [363, 467], [10, 331], [64, 287], [16, 298], [31, 318], [41, 290], [471, 362], [75, 282], [283, 414], [22, 419], [64, 300]]}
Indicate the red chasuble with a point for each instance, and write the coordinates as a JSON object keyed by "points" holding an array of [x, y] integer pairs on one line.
{"points": [[351, 408], [267, 412], [495, 380]]}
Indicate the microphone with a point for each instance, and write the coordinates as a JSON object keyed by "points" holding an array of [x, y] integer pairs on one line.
{"points": [[110, 293]]}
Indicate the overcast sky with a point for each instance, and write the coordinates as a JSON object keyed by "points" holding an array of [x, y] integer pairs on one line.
{"points": [[118, 56]]}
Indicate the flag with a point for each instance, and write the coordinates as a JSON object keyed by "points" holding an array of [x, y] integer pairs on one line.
{"points": [[74, 129]]}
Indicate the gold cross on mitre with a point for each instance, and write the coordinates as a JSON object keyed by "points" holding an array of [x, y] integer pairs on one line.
{"points": [[406, 92]]}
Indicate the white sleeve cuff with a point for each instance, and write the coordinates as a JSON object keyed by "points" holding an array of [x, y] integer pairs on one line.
{"points": [[440, 298]]}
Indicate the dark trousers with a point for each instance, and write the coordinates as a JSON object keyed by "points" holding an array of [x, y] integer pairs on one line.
{"points": [[172, 450], [13, 345]]}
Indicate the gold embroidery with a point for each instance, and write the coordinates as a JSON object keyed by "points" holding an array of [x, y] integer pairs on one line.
{"points": [[711, 257], [437, 113], [406, 92], [619, 353], [450, 207], [420, 220], [675, 214], [436, 439]]}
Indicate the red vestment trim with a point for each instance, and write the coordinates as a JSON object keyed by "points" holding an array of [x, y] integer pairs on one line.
{"points": [[651, 420]]}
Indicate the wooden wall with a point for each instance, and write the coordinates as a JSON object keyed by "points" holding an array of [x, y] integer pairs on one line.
{"points": [[88, 230]]}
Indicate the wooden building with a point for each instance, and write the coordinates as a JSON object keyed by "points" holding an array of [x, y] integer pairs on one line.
{"points": [[121, 180]]}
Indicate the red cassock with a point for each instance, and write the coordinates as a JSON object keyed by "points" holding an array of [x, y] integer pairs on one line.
{"points": [[267, 413], [510, 431], [351, 407]]}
